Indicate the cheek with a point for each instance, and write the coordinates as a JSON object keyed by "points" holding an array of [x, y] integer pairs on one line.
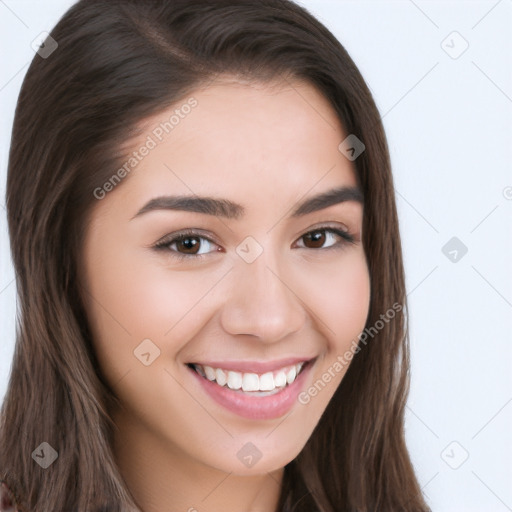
{"points": [[350, 302], [341, 301], [130, 302], [339, 294], [131, 297]]}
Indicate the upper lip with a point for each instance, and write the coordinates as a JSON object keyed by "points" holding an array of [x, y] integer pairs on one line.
{"points": [[255, 366]]}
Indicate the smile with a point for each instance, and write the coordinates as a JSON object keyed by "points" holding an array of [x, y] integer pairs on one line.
{"points": [[250, 382], [256, 396]]}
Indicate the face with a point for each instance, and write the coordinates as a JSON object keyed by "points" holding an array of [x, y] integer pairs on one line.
{"points": [[249, 287]]}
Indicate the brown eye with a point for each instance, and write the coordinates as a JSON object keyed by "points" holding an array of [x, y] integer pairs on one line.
{"points": [[190, 244], [194, 245], [317, 238]]}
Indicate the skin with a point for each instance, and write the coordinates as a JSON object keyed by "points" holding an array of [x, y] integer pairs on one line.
{"points": [[266, 147]]}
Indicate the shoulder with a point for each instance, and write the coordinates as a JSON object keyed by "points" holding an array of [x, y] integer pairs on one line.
{"points": [[7, 501]]}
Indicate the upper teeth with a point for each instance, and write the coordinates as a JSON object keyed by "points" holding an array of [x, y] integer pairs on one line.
{"points": [[251, 381]]}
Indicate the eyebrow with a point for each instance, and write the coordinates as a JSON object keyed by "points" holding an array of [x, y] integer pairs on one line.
{"points": [[230, 210]]}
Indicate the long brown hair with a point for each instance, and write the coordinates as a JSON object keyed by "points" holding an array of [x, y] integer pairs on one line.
{"points": [[118, 62]]}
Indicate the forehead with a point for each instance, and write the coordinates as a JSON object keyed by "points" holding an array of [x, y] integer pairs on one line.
{"points": [[251, 114], [239, 138]]}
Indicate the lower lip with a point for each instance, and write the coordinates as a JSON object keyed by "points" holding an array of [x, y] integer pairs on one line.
{"points": [[256, 407]]}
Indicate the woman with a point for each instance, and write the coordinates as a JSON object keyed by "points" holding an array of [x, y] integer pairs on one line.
{"points": [[211, 290]]}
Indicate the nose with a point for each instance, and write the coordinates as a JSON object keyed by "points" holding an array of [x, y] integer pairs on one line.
{"points": [[262, 301]]}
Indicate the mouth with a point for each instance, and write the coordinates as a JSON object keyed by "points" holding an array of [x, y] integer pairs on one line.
{"points": [[252, 383], [255, 396]]}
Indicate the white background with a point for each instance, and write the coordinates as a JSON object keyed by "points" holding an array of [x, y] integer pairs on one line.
{"points": [[448, 122]]}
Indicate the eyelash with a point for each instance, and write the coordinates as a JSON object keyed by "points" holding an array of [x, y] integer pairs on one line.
{"points": [[190, 233]]}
